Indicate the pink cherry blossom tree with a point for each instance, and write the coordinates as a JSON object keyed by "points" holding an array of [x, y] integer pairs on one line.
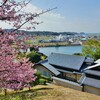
{"points": [[15, 73]]}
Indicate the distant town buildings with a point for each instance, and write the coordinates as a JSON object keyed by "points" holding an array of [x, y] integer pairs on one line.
{"points": [[74, 39]]}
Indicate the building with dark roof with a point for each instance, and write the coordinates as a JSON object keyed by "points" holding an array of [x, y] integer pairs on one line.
{"points": [[91, 79], [46, 69], [72, 62], [73, 71], [63, 66]]}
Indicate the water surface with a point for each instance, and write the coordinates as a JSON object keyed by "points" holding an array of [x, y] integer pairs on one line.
{"points": [[62, 49]]}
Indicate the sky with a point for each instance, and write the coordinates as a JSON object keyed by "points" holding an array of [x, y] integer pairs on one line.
{"points": [[70, 15]]}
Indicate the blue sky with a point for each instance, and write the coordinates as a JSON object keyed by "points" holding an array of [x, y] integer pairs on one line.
{"points": [[79, 15], [70, 15], [72, 8]]}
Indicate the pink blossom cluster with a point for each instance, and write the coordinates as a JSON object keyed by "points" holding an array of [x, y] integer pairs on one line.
{"points": [[11, 11], [14, 73]]}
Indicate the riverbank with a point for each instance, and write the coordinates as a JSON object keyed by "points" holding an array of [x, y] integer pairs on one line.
{"points": [[58, 44], [37, 42]]}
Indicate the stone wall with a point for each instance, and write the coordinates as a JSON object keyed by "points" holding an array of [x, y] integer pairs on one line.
{"points": [[67, 83]]}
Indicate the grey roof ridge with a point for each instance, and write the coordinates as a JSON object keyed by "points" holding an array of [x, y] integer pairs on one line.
{"points": [[60, 66], [67, 54], [53, 69], [89, 67], [82, 63], [64, 66]]}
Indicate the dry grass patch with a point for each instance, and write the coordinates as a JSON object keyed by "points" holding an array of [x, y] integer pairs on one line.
{"points": [[51, 92], [63, 93]]}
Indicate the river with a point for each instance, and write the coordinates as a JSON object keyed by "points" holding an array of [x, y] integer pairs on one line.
{"points": [[62, 49]]}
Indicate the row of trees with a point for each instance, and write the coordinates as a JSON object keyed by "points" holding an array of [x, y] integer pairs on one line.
{"points": [[92, 49]]}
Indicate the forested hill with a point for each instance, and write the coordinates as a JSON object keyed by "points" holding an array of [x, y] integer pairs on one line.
{"points": [[51, 33], [46, 32]]}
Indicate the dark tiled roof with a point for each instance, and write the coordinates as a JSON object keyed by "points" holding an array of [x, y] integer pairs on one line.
{"points": [[93, 72], [91, 82], [93, 66], [49, 67], [66, 61], [89, 60]]}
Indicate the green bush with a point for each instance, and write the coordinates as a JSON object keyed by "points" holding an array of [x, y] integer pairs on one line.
{"points": [[91, 49], [48, 79], [34, 56], [42, 81]]}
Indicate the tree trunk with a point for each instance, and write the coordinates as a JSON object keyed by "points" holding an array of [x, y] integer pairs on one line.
{"points": [[5, 91], [29, 88]]}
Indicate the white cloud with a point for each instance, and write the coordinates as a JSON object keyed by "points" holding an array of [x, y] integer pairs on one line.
{"points": [[51, 21], [32, 9]]}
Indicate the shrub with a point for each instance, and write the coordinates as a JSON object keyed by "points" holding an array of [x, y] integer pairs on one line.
{"points": [[42, 81], [34, 56]]}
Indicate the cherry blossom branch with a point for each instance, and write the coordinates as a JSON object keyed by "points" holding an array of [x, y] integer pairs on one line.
{"points": [[32, 16], [5, 1]]}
